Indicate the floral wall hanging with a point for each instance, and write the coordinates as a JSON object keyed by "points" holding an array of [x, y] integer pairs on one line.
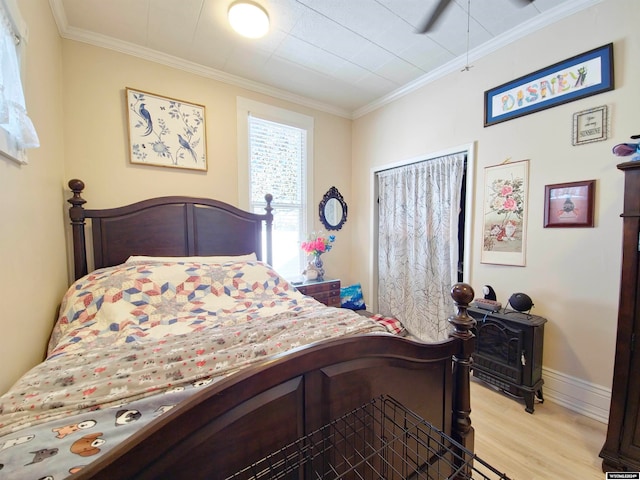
{"points": [[505, 213], [166, 132]]}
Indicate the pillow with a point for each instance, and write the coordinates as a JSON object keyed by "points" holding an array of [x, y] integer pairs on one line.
{"points": [[351, 297], [250, 257]]}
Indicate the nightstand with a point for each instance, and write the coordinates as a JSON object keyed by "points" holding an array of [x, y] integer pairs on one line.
{"points": [[325, 291]]}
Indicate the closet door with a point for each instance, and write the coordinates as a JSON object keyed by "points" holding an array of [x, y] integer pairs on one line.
{"points": [[418, 238]]}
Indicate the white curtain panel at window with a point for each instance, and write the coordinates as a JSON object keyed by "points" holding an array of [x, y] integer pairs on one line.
{"points": [[418, 243], [13, 113]]}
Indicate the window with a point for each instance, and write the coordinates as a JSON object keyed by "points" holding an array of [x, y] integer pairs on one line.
{"points": [[274, 148], [16, 130]]}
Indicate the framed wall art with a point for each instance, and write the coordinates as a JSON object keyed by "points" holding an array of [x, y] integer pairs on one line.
{"points": [[586, 74], [569, 204], [166, 132], [590, 126], [504, 228]]}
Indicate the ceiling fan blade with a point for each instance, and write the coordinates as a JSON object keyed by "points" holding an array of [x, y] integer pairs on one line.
{"points": [[433, 18]]}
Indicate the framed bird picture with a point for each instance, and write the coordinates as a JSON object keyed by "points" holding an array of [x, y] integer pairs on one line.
{"points": [[166, 132]]}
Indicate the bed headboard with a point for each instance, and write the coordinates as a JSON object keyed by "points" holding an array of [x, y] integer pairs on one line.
{"points": [[166, 226]]}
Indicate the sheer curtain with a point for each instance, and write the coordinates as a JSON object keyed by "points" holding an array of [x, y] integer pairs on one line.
{"points": [[13, 113], [419, 206]]}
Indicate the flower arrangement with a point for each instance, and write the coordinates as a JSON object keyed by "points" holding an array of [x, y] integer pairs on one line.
{"points": [[317, 243]]}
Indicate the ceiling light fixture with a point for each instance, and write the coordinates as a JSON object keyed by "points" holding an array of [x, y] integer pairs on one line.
{"points": [[248, 18]]}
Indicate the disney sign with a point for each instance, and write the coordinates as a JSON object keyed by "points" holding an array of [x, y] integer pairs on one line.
{"points": [[586, 74]]}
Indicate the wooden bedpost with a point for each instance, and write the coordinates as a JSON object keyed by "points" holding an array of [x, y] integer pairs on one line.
{"points": [[76, 213], [462, 323], [269, 228]]}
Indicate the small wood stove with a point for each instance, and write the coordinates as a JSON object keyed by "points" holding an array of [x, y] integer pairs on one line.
{"points": [[509, 352]]}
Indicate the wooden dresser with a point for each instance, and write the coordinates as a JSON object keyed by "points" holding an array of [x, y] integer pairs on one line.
{"points": [[621, 450], [325, 291]]}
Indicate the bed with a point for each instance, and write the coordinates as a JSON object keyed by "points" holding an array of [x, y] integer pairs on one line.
{"points": [[134, 388]]}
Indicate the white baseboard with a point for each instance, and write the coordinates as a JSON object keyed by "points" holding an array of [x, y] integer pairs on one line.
{"points": [[582, 397]]}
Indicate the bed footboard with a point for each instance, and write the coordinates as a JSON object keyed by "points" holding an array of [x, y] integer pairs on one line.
{"points": [[248, 415]]}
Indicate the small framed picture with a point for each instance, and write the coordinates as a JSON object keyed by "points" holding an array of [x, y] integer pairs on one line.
{"points": [[590, 125], [569, 204]]}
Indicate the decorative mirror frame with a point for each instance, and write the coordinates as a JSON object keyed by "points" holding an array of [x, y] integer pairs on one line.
{"points": [[333, 193]]}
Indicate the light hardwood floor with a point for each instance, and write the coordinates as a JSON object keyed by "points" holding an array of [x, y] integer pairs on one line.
{"points": [[552, 443]]}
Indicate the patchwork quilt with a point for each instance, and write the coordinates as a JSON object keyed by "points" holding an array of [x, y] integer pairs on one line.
{"points": [[134, 340]]}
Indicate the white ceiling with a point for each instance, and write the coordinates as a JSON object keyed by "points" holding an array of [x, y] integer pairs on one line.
{"points": [[342, 56]]}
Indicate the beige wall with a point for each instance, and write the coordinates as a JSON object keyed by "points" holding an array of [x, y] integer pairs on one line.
{"points": [[33, 263], [75, 94], [97, 144], [572, 275]]}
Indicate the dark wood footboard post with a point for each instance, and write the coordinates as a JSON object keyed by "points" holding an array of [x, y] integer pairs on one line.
{"points": [[269, 224], [76, 213], [462, 323]]}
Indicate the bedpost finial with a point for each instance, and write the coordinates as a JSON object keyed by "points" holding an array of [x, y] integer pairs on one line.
{"points": [[462, 323], [76, 186], [76, 201], [462, 293], [268, 198]]}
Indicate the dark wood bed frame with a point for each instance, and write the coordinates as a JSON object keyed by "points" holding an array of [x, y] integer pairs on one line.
{"points": [[167, 226], [246, 416]]}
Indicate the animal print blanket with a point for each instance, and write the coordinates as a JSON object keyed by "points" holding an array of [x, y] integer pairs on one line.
{"points": [[135, 339]]}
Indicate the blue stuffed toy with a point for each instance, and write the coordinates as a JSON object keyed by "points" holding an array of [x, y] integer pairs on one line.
{"points": [[626, 149]]}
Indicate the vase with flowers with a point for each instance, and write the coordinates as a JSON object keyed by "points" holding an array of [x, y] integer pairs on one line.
{"points": [[317, 243]]}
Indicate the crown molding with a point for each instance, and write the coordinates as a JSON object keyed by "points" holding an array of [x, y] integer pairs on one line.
{"points": [[103, 41], [549, 17]]}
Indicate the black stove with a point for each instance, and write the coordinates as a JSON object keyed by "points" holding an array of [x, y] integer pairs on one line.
{"points": [[509, 352]]}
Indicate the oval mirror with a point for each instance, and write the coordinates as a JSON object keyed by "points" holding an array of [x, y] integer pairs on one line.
{"points": [[333, 210]]}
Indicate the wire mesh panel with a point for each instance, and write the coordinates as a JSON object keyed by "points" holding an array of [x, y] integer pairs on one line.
{"points": [[380, 440]]}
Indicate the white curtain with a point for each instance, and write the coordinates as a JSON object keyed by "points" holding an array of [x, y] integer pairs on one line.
{"points": [[419, 206], [13, 113]]}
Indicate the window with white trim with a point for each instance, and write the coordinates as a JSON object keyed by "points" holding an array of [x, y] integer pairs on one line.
{"points": [[17, 132], [275, 148]]}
